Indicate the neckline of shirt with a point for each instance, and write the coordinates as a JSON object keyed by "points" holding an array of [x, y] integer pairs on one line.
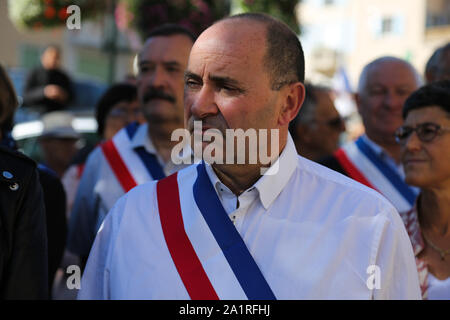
{"points": [[269, 186]]}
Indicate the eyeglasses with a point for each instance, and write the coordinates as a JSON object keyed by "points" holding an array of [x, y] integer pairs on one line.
{"points": [[426, 132]]}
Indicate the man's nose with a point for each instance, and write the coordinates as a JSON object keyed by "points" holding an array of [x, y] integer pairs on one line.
{"points": [[203, 103], [393, 100], [157, 78]]}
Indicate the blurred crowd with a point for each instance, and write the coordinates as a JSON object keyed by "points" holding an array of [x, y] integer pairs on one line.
{"points": [[60, 203]]}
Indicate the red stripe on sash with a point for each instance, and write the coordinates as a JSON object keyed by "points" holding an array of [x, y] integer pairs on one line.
{"points": [[118, 166], [351, 170], [183, 254]]}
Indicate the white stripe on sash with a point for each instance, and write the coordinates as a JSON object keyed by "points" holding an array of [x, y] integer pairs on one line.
{"points": [[132, 161], [205, 245]]}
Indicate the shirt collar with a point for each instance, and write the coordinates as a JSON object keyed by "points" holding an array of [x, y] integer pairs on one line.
{"points": [[271, 184], [142, 139]]}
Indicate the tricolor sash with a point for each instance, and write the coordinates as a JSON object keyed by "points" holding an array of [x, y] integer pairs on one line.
{"points": [[362, 164], [212, 276], [130, 166]]}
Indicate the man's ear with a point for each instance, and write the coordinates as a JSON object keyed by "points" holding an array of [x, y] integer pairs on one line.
{"points": [[292, 103]]}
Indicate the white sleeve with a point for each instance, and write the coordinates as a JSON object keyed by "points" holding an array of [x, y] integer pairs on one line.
{"points": [[95, 280], [396, 261]]}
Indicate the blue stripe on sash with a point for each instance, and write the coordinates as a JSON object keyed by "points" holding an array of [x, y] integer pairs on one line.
{"points": [[233, 247], [150, 161], [387, 171], [131, 129]]}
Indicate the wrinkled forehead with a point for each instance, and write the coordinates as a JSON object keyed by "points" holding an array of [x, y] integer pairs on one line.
{"points": [[241, 40], [390, 72]]}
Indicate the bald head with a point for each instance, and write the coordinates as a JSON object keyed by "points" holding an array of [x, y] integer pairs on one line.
{"points": [[283, 58], [394, 62], [384, 85]]}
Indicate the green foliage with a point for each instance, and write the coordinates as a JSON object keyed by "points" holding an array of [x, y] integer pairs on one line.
{"points": [[195, 15], [281, 9], [38, 14]]}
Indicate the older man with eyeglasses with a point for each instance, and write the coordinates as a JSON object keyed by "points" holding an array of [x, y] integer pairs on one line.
{"points": [[425, 143]]}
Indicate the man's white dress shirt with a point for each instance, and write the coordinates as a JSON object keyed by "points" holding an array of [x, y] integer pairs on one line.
{"points": [[314, 234]]}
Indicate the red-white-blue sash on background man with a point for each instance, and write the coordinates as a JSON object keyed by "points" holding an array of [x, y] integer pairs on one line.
{"points": [[362, 164], [208, 252], [131, 166]]}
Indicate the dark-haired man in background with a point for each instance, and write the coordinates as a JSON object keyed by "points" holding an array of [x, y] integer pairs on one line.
{"points": [[227, 231], [137, 153], [318, 126]]}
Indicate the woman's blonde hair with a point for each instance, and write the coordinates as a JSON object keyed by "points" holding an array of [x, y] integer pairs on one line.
{"points": [[8, 100]]}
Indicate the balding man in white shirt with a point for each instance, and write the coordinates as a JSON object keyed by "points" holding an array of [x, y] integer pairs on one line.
{"points": [[289, 230]]}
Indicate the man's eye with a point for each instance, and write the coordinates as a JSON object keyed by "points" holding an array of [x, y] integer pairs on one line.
{"points": [[376, 91], [227, 88], [230, 89], [191, 84], [172, 69], [145, 69], [404, 92]]}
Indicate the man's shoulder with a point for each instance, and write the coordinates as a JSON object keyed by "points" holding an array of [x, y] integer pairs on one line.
{"points": [[95, 157], [11, 159], [342, 187], [331, 162]]}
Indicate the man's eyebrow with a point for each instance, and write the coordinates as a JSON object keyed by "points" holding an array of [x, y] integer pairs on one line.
{"points": [[218, 80], [190, 75], [225, 80], [171, 62]]}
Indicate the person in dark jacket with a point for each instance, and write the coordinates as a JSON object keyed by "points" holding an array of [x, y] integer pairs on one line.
{"points": [[47, 87], [23, 232], [52, 192], [55, 205]]}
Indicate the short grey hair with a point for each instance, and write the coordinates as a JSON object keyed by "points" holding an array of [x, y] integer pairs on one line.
{"points": [[369, 67]]}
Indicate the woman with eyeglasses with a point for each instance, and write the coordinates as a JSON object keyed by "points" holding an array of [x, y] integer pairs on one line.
{"points": [[425, 142]]}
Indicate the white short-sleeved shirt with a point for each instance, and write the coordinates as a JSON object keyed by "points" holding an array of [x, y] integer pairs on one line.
{"points": [[313, 233]]}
